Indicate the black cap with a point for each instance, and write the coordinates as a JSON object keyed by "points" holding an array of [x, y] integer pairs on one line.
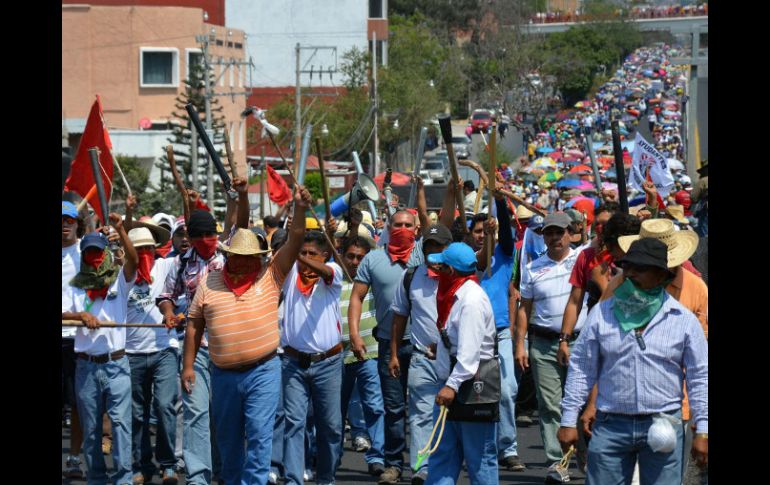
{"points": [[201, 222], [468, 184], [647, 251], [439, 233]]}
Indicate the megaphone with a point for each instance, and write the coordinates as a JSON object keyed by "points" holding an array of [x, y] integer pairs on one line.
{"points": [[363, 189]]}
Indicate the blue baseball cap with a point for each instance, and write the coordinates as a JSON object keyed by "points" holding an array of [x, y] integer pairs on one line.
{"points": [[93, 240], [68, 209], [536, 222], [458, 255]]}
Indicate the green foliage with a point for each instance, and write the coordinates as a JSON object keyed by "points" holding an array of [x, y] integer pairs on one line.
{"points": [[136, 176], [149, 202], [501, 156], [355, 66], [313, 184]]}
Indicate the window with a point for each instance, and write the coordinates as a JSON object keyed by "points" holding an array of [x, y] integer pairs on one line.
{"points": [[238, 45], [194, 57], [158, 67], [375, 9], [379, 52]]}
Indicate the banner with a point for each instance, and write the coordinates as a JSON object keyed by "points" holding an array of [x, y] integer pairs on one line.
{"points": [[277, 189], [646, 157]]}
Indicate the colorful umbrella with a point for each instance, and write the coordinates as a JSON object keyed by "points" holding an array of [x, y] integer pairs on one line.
{"points": [[544, 150], [568, 183], [675, 164], [580, 168], [576, 153], [550, 177], [397, 179], [544, 162]]}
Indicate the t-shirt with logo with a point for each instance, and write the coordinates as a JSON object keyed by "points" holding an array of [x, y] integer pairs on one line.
{"points": [[113, 308], [142, 309], [70, 265], [312, 323], [546, 283], [496, 286]]}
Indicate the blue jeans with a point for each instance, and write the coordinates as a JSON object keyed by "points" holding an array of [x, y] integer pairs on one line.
{"points": [[394, 395], [356, 413], [323, 381], [506, 427], [243, 409], [154, 385], [276, 458], [616, 443], [363, 375], [474, 443], [101, 388], [197, 426], [423, 387]]}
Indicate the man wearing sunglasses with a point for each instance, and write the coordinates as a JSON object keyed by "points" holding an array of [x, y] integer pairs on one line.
{"points": [[637, 347], [545, 289]]}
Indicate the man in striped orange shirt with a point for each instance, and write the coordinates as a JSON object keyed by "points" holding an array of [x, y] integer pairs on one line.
{"points": [[239, 307]]}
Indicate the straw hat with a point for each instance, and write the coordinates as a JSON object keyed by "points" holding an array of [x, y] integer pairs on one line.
{"points": [[141, 236], [161, 234], [245, 243], [677, 212], [681, 244], [342, 228], [523, 213]]}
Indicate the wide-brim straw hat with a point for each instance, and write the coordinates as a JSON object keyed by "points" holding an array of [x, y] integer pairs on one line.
{"points": [[523, 213], [342, 228], [677, 212], [245, 243], [161, 234], [681, 244]]}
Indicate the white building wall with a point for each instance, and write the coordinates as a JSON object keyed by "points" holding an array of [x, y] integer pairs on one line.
{"points": [[274, 28]]}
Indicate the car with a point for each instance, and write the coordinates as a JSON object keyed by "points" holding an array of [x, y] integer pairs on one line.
{"points": [[481, 121], [437, 167], [461, 146], [425, 176]]}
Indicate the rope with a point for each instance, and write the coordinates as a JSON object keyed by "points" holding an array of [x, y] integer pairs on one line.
{"points": [[427, 450], [564, 463]]}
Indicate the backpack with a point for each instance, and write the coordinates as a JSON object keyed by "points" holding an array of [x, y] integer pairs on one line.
{"points": [[408, 277]]}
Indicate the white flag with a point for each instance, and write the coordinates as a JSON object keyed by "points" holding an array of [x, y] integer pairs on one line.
{"points": [[646, 157]]}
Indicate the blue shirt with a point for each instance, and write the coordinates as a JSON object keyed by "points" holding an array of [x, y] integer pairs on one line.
{"points": [[383, 275], [496, 286], [635, 381]]}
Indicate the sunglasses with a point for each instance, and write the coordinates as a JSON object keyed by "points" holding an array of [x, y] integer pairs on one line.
{"points": [[68, 219]]}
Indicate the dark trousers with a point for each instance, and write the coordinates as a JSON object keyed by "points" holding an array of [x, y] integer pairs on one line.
{"points": [[394, 395]]}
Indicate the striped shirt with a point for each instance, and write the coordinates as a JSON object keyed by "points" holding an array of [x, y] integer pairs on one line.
{"points": [[546, 283], [365, 326], [633, 381], [241, 329]]}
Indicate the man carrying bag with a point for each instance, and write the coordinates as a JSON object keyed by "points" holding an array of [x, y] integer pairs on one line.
{"points": [[467, 363]]}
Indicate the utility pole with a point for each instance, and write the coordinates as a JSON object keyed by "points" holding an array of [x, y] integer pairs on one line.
{"points": [[207, 100], [376, 160], [298, 111], [262, 174], [194, 156]]}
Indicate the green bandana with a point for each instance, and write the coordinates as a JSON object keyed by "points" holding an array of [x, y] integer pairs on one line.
{"points": [[93, 279], [635, 307]]}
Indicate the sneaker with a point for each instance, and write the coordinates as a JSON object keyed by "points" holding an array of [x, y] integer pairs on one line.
{"points": [[514, 463], [390, 476], [169, 477], [272, 478], [418, 479], [557, 474], [139, 479], [73, 469], [524, 420], [376, 469], [308, 475], [361, 444]]}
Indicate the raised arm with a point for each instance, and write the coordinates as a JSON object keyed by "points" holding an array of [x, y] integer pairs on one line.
{"points": [[242, 187], [131, 259], [448, 207], [288, 253], [504, 234], [422, 204]]}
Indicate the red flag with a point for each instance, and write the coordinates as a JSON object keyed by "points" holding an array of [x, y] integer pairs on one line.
{"points": [[81, 178], [277, 188]]}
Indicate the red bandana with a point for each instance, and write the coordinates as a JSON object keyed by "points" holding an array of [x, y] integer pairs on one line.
{"points": [[447, 287], [97, 293], [93, 258], [305, 284], [401, 244], [163, 251], [239, 283], [144, 267], [206, 246]]}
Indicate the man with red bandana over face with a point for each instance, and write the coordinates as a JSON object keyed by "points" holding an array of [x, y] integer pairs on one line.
{"points": [[381, 270], [99, 293], [183, 279]]}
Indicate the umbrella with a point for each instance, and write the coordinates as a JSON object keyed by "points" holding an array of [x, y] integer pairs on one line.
{"points": [[611, 174], [544, 162], [529, 177], [544, 150], [609, 186], [555, 156], [580, 168], [675, 164], [397, 179], [550, 177], [580, 104], [575, 152], [584, 185], [568, 183]]}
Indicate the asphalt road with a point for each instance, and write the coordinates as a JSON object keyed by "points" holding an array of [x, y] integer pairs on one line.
{"points": [[353, 468]]}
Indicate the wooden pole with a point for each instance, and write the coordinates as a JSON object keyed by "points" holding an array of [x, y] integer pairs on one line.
{"points": [[262, 174], [230, 159], [491, 189], [77, 323], [324, 189]]}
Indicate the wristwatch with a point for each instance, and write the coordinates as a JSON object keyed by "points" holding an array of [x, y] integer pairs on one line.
{"points": [[565, 337]]}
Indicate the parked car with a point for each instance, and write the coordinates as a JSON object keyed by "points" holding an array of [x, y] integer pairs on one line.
{"points": [[425, 176], [461, 146], [437, 167], [481, 120]]}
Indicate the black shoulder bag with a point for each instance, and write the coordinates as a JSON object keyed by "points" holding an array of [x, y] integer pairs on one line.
{"points": [[478, 399]]}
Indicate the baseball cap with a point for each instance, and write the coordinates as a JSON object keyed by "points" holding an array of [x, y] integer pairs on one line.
{"points": [[574, 215], [647, 251], [68, 209], [439, 233], [261, 237], [93, 240], [458, 255], [536, 222], [557, 219]]}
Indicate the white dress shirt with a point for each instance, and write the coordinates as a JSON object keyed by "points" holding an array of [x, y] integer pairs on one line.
{"points": [[471, 330]]}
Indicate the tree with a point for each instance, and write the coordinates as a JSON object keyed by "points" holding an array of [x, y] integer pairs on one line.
{"points": [[182, 141], [149, 202]]}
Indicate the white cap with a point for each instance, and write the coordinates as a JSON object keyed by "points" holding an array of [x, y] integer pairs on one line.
{"points": [[141, 236]]}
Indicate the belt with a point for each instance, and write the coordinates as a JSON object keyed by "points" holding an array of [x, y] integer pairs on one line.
{"points": [[259, 362], [431, 355], [310, 358], [103, 358], [547, 333]]}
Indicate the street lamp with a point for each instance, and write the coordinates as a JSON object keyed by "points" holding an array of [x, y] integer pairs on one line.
{"points": [[325, 130]]}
